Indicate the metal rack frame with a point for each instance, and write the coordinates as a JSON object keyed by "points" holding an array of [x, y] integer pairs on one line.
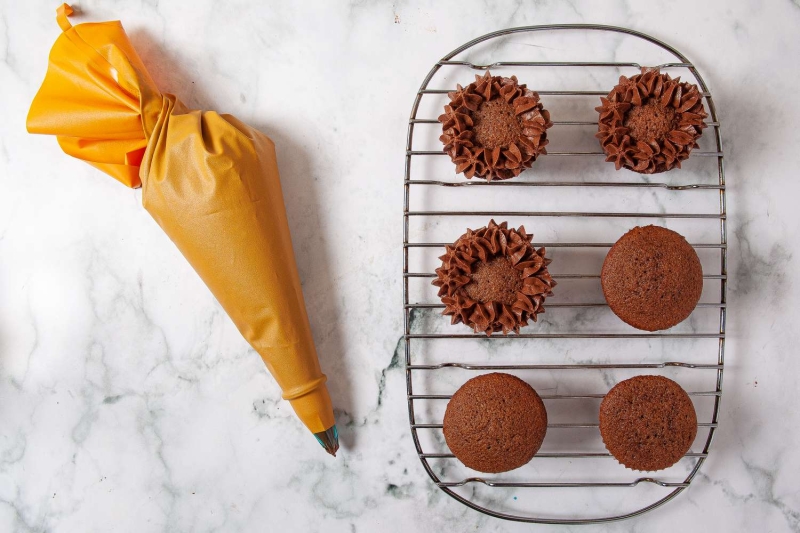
{"points": [[409, 307]]}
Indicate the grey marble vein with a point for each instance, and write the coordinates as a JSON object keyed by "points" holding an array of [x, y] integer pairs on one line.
{"points": [[130, 402]]}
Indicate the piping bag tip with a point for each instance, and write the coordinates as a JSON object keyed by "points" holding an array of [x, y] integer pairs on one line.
{"points": [[329, 439]]}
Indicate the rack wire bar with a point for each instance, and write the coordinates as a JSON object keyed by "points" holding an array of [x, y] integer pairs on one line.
{"points": [[558, 455], [506, 484], [543, 93], [557, 64], [551, 396], [555, 276], [559, 214], [512, 183], [553, 245], [570, 336], [600, 366], [555, 122], [701, 305], [697, 458], [442, 152], [559, 426]]}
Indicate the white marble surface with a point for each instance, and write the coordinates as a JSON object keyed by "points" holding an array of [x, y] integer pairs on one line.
{"points": [[129, 402]]}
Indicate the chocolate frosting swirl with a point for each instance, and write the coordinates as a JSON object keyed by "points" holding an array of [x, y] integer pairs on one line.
{"points": [[518, 143], [676, 113], [482, 246]]}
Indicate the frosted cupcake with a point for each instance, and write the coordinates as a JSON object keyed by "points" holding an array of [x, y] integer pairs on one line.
{"points": [[493, 279], [650, 122], [494, 128]]}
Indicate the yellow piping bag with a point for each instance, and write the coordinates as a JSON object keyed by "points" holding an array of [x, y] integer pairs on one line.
{"points": [[209, 180]]}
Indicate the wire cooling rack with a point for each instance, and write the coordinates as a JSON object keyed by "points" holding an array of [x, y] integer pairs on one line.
{"points": [[554, 471]]}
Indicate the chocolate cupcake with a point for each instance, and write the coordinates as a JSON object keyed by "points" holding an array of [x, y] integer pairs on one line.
{"points": [[648, 422], [494, 128], [493, 279], [652, 278], [650, 122], [495, 423]]}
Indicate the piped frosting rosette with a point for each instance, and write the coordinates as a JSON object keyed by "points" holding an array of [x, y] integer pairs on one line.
{"points": [[650, 122], [493, 279], [494, 128]]}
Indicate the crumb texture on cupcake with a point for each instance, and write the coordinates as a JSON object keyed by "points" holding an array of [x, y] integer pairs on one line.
{"points": [[493, 279], [495, 423], [494, 128], [647, 422], [652, 278], [650, 122]]}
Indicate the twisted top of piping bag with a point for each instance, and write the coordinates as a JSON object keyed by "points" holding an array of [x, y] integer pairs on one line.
{"points": [[209, 180], [111, 117]]}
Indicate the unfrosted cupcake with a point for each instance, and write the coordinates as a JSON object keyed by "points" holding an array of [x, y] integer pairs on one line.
{"points": [[495, 423], [494, 128], [647, 422], [652, 278]]}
